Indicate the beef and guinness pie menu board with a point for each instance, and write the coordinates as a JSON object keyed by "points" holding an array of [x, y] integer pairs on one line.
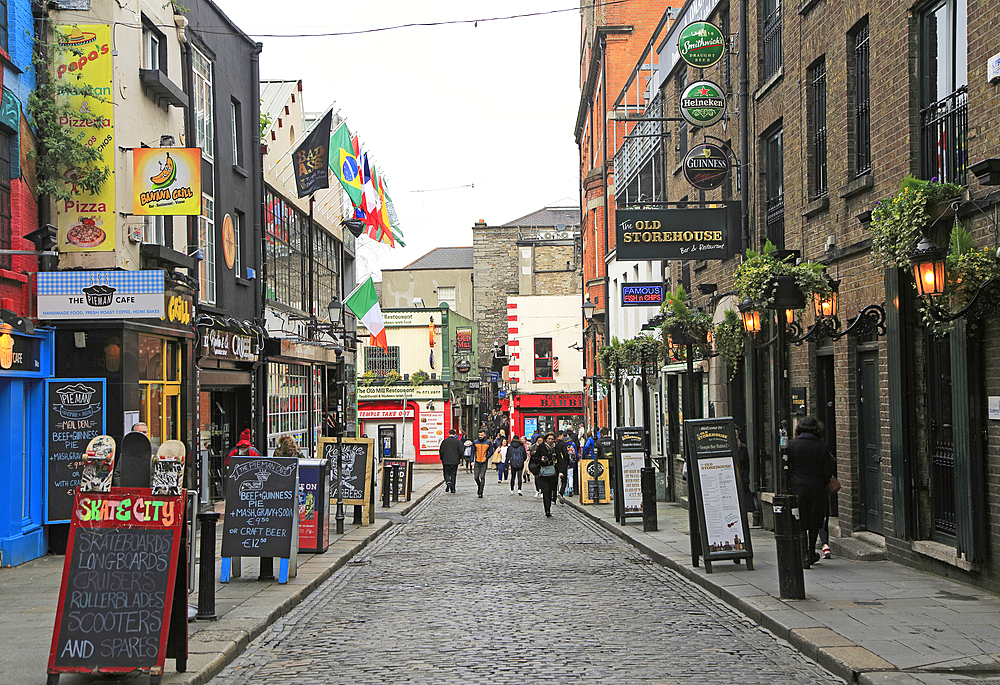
{"points": [[261, 507], [74, 415], [118, 582]]}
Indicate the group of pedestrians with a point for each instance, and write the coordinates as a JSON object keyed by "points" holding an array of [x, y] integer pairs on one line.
{"points": [[551, 459]]}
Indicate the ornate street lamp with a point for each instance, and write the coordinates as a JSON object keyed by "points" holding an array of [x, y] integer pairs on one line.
{"points": [[929, 268], [826, 306], [336, 310], [751, 318]]}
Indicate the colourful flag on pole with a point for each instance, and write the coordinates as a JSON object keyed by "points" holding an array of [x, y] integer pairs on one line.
{"points": [[364, 303], [383, 216], [344, 163]]}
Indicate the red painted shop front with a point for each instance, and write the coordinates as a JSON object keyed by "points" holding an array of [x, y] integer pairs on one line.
{"points": [[546, 412], [418, 433]]}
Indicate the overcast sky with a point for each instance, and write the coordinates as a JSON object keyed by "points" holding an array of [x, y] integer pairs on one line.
{"points": [[441, 108]]}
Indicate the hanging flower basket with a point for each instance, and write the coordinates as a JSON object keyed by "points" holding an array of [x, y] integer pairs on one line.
{"points": [[779, 283], [898, 222]]}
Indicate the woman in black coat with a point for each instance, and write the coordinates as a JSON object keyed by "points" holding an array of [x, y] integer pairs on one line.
{"points": [[546, 457], [810, 466]]}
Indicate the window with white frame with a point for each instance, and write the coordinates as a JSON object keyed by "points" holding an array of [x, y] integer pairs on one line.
{"points": [[153, 230], [204, 120], [234, 125], [543, 359], [446, 293], [151, 49], [238, 220], [206, 241]]}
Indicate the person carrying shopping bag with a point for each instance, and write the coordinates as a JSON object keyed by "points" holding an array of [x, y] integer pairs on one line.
{"points": [[544, 464]]}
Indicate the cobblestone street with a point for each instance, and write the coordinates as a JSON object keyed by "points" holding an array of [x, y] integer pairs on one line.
{"points": [[469, 590]]}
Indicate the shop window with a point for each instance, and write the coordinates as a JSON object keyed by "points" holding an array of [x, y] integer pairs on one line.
{"points": [[287, 403], [543, 359], [206, 239], [381, 362], [204, 132], [160, 387]]}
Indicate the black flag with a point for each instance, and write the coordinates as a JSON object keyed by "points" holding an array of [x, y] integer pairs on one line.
{"points": [[312, 159]]}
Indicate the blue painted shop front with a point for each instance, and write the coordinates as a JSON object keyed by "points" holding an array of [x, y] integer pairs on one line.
{"points": [[25, 362]]}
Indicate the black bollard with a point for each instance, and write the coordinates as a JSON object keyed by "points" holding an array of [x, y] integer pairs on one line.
{"points": [[206, 574], [386, 483], [395, 483], [788, 545], [647, 482]]}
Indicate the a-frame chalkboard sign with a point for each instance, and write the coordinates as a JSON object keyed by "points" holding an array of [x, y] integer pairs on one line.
{"points": [[710, 447], [118, 584]]}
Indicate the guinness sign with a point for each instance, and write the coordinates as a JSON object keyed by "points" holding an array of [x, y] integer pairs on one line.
{"points": [[703, 103], [706, 166]]}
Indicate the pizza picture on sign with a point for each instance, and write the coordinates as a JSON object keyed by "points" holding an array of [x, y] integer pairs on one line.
{"points": [[86, 232]]}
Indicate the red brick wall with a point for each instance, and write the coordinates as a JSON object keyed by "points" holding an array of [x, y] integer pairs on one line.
{"points": [[14, 282]]}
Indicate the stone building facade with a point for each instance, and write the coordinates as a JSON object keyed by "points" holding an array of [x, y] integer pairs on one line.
{"points": [[537, 254]]}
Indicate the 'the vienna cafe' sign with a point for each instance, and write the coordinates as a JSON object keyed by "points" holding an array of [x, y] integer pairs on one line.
{"points": [[700, 233]]}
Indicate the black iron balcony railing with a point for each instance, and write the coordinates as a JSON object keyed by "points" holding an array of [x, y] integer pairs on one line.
{"points": [[945, 138]]}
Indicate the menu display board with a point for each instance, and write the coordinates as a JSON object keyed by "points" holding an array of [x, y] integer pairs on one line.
{"points": [[401, 467], [596, 477], [261, 507], [357, 454], [711, 460], [75, 414], [431, 430], [630, 446], [118, 582]]}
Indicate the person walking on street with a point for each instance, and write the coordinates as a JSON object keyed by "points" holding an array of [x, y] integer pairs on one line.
{"points": [[517, 458], [811, 466], [500, 459], [536, 443], [467, 456], [482, 449], [544, 466], [450, 452]]}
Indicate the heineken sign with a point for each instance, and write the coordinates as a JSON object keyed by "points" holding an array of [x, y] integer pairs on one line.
{"points": [[701, 44], [703, 103], [706, 166]]}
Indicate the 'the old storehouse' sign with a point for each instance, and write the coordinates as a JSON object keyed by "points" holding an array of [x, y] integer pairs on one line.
{"points": [[700, 233]]}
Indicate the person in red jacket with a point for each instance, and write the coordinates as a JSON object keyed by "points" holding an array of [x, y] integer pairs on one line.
{"points": [[243, 448]]}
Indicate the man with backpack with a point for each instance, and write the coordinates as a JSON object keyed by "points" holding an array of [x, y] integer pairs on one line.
{"points": [[517, 455], [243, 449]]}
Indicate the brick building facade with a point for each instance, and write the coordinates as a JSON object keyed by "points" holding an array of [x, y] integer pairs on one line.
{"points": [[846, 100]]}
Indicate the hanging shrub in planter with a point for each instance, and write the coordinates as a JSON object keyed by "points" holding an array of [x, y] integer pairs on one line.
{"points": [[683, 326], [899, 221], [775, 283], [729, 341], [609, 357]]}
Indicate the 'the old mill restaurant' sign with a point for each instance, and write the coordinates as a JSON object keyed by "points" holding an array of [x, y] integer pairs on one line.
{"points": [[699, 233]]}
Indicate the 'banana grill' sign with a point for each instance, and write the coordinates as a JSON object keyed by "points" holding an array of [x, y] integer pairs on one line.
{"points": [[674, 233]]}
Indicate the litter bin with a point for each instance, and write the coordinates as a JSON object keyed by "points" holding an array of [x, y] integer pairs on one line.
{"points": [[788, 544], [314, 505]]}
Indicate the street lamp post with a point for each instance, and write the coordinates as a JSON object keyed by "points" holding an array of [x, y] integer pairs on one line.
{"points": [[588, 317], [336, 309]]}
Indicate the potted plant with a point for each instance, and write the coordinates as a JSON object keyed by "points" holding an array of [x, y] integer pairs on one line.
{"points": [[419, 377], [898, 222], [730, 338], [609, 357], [774, 280]]}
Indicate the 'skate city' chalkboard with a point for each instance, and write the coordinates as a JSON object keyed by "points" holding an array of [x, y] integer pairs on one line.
{"points": [[261, 507], [118, 582], [357, 455], [74, 415]]}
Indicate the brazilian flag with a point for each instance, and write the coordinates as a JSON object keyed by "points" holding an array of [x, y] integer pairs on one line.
{"points": [[344, 163]]}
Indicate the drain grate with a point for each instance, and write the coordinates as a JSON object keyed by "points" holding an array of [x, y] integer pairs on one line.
{"points": [[869, 604]]}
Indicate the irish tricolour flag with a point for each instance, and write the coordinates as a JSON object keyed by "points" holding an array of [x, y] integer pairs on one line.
{"points": [[364, 303]]}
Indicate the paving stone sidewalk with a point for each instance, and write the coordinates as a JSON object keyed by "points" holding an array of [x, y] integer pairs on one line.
{"points": [[870, 622], [245, 607]]}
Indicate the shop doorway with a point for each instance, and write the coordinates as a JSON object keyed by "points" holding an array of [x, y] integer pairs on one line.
{"points": [[869, 441], [224, 414]]}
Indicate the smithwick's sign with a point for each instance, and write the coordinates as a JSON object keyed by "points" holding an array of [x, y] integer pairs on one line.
{"points": [[700, 233], [701, 44], [218, 342]]}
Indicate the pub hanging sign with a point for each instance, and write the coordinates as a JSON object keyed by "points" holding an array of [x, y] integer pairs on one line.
{"points": [[700, 233], [703, 103], [706, 166]]}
